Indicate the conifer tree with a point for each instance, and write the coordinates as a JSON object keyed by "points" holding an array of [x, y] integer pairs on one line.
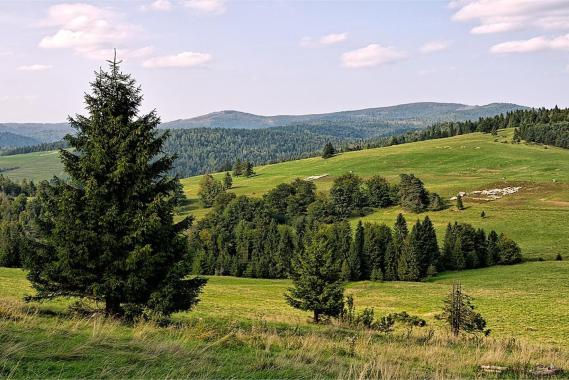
{"points": [[391, 262], [227, 181], [428, 248], [328, 150], [408, 268], [285, 252], [108, 233], [359, 265], [248, 172], [238, 168], [459, 203], [317, 283]]}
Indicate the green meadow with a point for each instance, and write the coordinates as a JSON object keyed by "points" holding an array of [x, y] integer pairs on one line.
{"points": [[536, 217], [243, 328]]}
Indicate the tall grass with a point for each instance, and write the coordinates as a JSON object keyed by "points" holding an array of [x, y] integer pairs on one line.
{"points": [[36, 345]]}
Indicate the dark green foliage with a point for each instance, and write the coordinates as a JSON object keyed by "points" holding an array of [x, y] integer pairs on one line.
{"points": [[426, 245], [346, 195], [316, 280], [108, 234], [414, 197], [13, 189], [255, 237], [248, 170], [210, 189], [15, 216], [358, 261], [227, 181], [287, 201], [238, 168], [328, 150], [378, 192], [408, 266], [509, 251], [459, 313], [468, 248]]}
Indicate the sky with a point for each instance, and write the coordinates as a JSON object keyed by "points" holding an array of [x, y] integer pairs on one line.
{"points": [[193, 57]]}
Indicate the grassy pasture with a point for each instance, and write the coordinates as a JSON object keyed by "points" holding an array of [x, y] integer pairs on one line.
{"points": [[243, 328], [536, 217]]}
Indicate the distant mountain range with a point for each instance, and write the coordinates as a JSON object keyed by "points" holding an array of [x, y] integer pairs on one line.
{"points": [[371, 121]]}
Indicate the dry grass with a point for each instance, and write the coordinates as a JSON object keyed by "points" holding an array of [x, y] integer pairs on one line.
{"points": [[36, 345]]}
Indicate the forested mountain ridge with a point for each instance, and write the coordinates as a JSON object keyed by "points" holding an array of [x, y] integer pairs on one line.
{"points": [[411, 114], [370, 122]]}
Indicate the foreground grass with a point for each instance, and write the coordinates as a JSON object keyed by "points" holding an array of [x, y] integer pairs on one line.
{"points": [[536, 217], [526, 301], [36, 346]]}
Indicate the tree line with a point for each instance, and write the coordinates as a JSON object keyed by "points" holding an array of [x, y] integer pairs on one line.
{"points": [[252, 237]]}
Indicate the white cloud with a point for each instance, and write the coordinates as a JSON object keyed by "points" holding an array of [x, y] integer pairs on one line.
{"points": [[371, 55], [497, 16], [329, 39], [185, 59], [333, 38], [532, 45], [34, 67], [158, 5], [161, 5], [434, 46], [86, 29], [205, 6]]}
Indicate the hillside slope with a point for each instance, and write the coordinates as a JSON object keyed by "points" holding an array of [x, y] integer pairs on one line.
{"points": [[447, 166]]}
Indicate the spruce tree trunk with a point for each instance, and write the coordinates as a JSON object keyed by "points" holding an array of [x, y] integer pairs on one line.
{"points": [[112, 307], [316, 316]]}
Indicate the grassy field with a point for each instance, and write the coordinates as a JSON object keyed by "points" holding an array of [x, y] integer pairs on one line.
{"points": [[447, 166], [243, 328], [36, 166]]}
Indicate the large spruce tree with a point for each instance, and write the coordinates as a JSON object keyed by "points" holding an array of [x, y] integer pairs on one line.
{"points": [[107, 233]]}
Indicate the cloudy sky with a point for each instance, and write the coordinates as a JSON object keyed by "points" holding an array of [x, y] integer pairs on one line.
{"points": [[283, 57]]}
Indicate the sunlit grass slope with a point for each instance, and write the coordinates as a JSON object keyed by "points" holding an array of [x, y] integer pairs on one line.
{"points": [[525, 301], [35, 166], [537, 216]]}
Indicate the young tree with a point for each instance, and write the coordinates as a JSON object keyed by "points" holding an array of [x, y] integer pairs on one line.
{"points": [[108, 233], [328, 150], [227, 181], [317, 283], [459, 313], [459, 204], [238, 168], [210, 188], [248, 171]]}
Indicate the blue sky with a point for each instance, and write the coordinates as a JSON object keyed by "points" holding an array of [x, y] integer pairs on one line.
{"points": [[284, 57]]}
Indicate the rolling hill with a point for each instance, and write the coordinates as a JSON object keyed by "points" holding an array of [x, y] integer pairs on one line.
{"points": [[463, 163]]}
